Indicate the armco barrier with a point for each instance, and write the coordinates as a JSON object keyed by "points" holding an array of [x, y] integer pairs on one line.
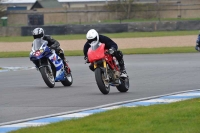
{"points": [[77, 29], [104, 28], [116, 28]]}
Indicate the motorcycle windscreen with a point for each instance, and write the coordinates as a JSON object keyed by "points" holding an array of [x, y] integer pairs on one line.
{"points": [[96, 54], [37, 43]]}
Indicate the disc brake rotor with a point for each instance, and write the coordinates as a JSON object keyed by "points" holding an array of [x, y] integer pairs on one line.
{"points": [[50, 76]]}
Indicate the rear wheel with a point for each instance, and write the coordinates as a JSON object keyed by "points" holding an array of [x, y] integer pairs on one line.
{"points": [[68, 80], [104, 87], [124, 86], [47, 76]]}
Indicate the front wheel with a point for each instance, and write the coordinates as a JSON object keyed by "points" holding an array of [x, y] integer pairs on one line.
{"points": [[101, 83], [124, 86], [68, 80], [47, 76]]}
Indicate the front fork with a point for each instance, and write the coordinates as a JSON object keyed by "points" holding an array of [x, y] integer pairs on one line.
{"points": [[44, 63], [105, 69]]}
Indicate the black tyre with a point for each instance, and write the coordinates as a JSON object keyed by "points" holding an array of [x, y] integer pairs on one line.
{"points": [[124, 86], [99, 76], [68, 81], [47, 76]]}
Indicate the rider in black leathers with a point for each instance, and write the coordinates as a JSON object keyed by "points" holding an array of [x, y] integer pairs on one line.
{"points": [[92, 35], [197, 47], [52, 43]]}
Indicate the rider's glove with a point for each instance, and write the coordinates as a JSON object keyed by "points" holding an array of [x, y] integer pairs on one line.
{"points": [[197, 48], [197, 45], [111, 50]]}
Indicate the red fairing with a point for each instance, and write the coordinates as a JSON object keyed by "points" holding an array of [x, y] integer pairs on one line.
{"points": [[97, 54]]}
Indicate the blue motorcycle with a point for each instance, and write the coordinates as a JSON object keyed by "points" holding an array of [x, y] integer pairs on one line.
{"points": [[50, 64]]}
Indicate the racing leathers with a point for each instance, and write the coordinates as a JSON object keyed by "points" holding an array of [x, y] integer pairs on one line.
{"points": [[197, 47]]}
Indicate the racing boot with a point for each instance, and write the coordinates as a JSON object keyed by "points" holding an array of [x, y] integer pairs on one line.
{"points": [[65, 62], [66, 67], [122, 69]]}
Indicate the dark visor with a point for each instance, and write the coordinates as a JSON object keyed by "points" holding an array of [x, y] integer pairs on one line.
{"points": [[91, 40]]}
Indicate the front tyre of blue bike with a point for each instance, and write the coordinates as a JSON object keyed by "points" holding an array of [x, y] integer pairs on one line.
{"points": [[47, 76]]}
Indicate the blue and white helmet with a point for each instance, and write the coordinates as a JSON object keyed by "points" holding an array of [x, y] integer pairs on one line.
{"points": [[38, 33]]}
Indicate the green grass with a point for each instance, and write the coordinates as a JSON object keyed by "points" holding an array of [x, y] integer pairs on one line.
{"points": [[179, 117], [14, 54], [164, 50], [113, 35], [150, 20]]}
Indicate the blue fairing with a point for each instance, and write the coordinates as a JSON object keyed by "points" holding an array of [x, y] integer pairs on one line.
{"points": [[55, 59], [59, 67], [60, 77], [45, 52]]}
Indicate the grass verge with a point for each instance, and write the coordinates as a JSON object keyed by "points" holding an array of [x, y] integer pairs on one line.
{"points": [[150, 20], [111, 35], [164, 50], [179, 117]]}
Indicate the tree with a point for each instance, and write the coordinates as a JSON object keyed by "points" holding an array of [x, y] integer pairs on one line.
{"points": [[2, 8], [128, 9], [123, 6]]}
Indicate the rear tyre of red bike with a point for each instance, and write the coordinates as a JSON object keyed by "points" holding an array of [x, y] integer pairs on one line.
{"points": [[124, 86], [100, 79]]}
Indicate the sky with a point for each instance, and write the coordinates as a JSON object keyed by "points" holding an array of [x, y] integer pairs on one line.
{"points": [[18, 1], [33, 1]]}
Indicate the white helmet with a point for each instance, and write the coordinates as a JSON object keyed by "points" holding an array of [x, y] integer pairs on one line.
{"points": [[38, 33], [92, 36]]}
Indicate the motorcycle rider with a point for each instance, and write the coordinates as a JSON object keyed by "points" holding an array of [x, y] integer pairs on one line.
{"points": [[52, 43], [197, 47], [92, 35]]}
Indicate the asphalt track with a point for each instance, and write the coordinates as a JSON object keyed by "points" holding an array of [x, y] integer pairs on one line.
{"points": [[23, 94]]}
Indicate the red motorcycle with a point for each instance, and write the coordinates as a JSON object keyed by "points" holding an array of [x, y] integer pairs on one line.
{"points": [[106, 69]]}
